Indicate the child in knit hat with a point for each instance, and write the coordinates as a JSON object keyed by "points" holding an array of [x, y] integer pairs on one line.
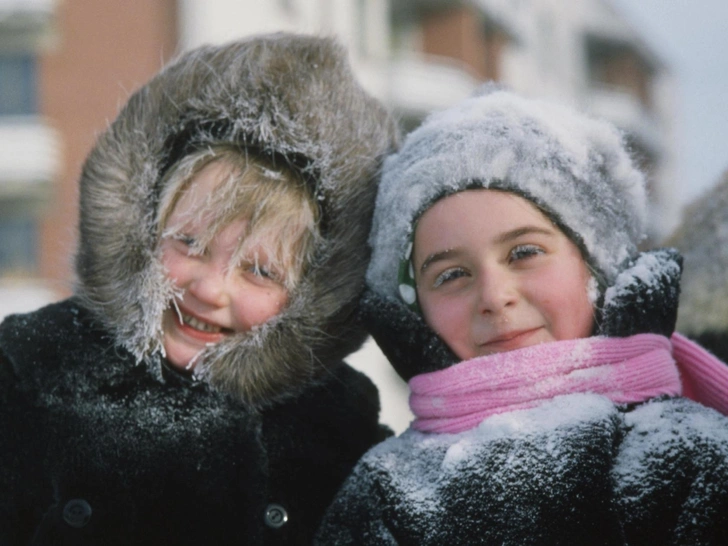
{"points": [[549, 392]]}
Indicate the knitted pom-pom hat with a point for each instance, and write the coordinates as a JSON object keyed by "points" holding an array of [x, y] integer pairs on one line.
{"points": [[574, 168]]}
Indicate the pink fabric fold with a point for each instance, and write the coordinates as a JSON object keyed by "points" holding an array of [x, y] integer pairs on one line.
{"points": [[625, 370], [704, 377]]}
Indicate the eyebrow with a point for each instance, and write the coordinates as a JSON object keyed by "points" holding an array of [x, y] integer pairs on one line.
{"points": [[525, 230], [436, 257], [503, 238]]}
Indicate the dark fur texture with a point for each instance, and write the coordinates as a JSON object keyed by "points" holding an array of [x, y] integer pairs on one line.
{"points": [[292, 96], [166, 461]]}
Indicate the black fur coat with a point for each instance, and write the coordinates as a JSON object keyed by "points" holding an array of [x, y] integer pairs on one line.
{"points": [[98, 450]]}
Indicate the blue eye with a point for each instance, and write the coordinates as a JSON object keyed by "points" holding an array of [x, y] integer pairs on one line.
{"points": [[449, 275], [186, 240], [261, 270], [183, 243], [521, 252]]}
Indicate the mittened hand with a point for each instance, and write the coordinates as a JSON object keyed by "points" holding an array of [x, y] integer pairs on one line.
{"points": [[644, 297], [410, 345]]}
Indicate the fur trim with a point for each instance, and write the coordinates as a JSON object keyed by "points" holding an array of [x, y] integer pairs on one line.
{"points": [[293, 96]]}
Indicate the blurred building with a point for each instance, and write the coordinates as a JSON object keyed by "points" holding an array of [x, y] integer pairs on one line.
{"points": [[582, 52], [66, 66], [29, 154]]}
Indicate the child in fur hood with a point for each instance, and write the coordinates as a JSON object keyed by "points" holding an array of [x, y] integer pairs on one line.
{"points": [[192, 391], [506, 286]]}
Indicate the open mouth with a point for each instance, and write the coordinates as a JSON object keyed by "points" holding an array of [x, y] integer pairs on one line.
{"points": [[199, 324]]}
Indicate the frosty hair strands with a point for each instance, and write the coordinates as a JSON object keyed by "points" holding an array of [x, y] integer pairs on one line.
{"points": [[280, 213]]}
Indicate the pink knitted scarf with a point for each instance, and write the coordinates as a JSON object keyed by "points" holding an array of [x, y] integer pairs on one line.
{"points": [[625, 370]]}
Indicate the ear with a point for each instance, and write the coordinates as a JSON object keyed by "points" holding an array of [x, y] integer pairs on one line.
{"points": [[403, 336], [644, 297]]}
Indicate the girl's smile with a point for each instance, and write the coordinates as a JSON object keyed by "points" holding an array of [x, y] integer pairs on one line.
{"points": [[508, 341], [196, 326]]}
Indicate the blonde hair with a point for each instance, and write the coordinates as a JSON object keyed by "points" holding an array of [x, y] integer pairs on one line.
{"points": [[282, 217]]}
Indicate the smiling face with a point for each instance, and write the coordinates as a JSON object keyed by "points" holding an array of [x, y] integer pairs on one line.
{"points": [[494, 274], [223, 291]]}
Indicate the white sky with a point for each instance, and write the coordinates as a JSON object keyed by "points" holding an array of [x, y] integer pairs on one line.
{"points": [[691, 36]]}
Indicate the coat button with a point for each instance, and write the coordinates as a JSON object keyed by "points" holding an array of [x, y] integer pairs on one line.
{"points": [[275, 516], [77, 513]]}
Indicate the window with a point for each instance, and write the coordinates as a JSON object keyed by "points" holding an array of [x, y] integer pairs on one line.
{"points": [[17, 245], [17, 84], [620, 66]]}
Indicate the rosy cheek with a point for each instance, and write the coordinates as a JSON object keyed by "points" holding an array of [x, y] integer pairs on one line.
{"points": [[440, 315]]}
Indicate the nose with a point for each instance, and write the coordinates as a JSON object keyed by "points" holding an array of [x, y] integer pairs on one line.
{"points": [[497, 290], [209, 284]]}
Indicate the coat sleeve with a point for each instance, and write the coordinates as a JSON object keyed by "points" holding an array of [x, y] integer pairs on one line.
{"points": [[703, 517], [672, 475], [356, 514]]}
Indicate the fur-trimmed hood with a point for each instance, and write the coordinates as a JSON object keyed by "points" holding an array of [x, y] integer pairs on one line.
{"points": [[290, 95]]}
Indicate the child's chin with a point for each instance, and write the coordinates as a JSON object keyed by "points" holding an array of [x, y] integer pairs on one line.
{"points": [[183, 359]]}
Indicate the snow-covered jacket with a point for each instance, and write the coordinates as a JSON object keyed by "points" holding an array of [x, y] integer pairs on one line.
{"points": [[574, 471], [101, 443], [702, 238]]}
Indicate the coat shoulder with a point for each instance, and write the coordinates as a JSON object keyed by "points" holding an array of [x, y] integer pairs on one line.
{"points": [[45, 346]]}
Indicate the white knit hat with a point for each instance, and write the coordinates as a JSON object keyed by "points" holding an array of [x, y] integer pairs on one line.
{"points": [[575, 168]]}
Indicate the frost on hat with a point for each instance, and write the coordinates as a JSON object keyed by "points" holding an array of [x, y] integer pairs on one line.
{"points": [[574, 167]]}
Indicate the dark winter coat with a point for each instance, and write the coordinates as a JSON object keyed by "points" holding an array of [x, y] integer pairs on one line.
{"points": [[703, 240], [98, 450], [100, 442], [575, 471]]}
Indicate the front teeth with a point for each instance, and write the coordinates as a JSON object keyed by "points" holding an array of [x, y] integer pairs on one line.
{"points": [[199, 325]]}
